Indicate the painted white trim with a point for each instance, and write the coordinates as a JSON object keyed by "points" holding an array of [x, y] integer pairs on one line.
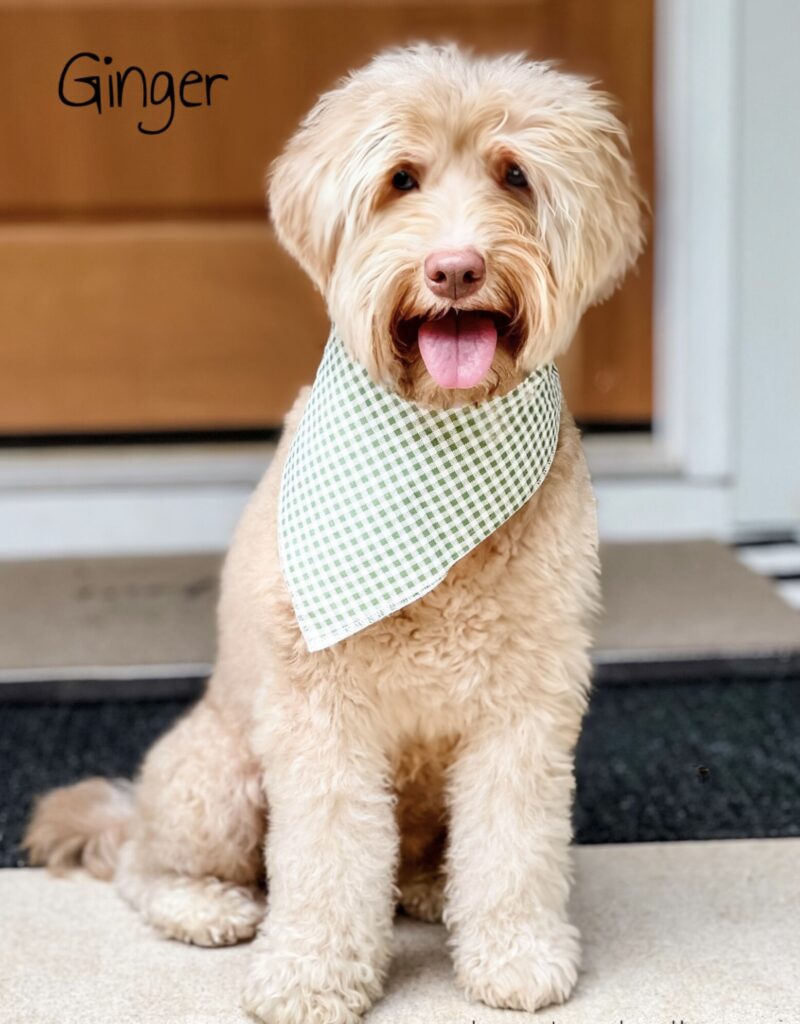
{"points": [[768, 385], [663, 509], [119, 521], [107, 468], [627, 456], [173, 520], [103, 466], [694, 298]]}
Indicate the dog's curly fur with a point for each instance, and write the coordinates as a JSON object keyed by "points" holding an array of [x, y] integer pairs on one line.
{"points": [[430, 757]]}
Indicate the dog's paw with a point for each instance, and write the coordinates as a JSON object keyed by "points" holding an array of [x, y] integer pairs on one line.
{"points": [[537, 969], [205, 912], [423, 898], [285, 988]]}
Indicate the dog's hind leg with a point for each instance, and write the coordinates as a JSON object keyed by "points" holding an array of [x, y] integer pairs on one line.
{"points": [[422, 895], [203, 911], [421, 818], [193, 865], [183, 845]]}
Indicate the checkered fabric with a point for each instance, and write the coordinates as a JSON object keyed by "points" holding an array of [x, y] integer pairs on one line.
{"points": [[380, 497]]}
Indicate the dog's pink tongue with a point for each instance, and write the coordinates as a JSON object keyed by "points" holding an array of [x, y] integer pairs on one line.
{"points": [[458, 349]]}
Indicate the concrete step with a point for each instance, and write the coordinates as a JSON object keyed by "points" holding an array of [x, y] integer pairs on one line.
{"points": [[133, 627]]}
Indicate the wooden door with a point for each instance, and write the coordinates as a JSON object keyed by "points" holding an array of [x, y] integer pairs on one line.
{"points": [[140, 286]]}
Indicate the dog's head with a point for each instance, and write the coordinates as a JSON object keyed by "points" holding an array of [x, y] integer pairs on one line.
{"points": [[459, 215]]}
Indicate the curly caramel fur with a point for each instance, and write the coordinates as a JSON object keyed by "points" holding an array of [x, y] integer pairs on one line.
{"points": [[430, 756]]}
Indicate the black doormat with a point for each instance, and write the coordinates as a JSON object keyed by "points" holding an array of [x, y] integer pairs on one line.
{"points": [[711, 760]]}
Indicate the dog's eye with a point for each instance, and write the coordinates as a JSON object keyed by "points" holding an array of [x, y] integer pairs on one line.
{"points": [[403, 181], [515, 177]]}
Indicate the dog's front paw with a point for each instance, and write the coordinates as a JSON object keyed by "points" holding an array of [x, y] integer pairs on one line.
{"points": [[288, 988], [534, 969]]}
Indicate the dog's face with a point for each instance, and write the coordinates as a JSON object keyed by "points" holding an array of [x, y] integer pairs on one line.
{"points": [[459, 215]]}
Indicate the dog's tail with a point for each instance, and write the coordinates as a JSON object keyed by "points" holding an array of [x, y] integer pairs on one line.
{"points": [[84, 825]]}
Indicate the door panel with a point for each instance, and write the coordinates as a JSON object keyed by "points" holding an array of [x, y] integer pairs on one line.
{"points": [[160, 326]]}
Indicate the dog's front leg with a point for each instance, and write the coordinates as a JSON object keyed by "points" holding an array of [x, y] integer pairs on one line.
{"points": [[331, 854], [508, 861]]}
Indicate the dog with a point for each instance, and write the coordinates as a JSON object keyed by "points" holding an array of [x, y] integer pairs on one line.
{"points": [[428, 758]]}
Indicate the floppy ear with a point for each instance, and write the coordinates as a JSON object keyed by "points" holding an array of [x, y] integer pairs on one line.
{"points": [[590, 202], [304, 201], [613, 204]]}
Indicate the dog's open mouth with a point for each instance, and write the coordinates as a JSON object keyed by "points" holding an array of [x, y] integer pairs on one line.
{"points": [[457, 348]]}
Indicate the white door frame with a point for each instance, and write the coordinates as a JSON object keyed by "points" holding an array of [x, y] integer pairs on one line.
{"points": [[677, 482], [680, 482], [767, 397], [696, 157]]}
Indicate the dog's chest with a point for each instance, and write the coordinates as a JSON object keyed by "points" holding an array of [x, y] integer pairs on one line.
{"points": [[437, 652]]}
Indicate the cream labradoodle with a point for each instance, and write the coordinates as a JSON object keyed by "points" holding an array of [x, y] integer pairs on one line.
{"points": [[430, 757]]}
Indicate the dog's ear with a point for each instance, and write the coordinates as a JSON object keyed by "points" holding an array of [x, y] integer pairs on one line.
{"points": [[307, 185], [590, 202]]}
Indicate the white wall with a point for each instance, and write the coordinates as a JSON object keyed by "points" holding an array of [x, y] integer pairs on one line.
{"points": [[767, 400]]}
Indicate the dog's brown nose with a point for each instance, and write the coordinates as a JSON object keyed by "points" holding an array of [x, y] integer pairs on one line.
{"points": [[454, 274]]}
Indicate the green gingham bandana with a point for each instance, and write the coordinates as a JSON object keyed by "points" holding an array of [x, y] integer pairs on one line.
{"points": [[381, 497]]}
